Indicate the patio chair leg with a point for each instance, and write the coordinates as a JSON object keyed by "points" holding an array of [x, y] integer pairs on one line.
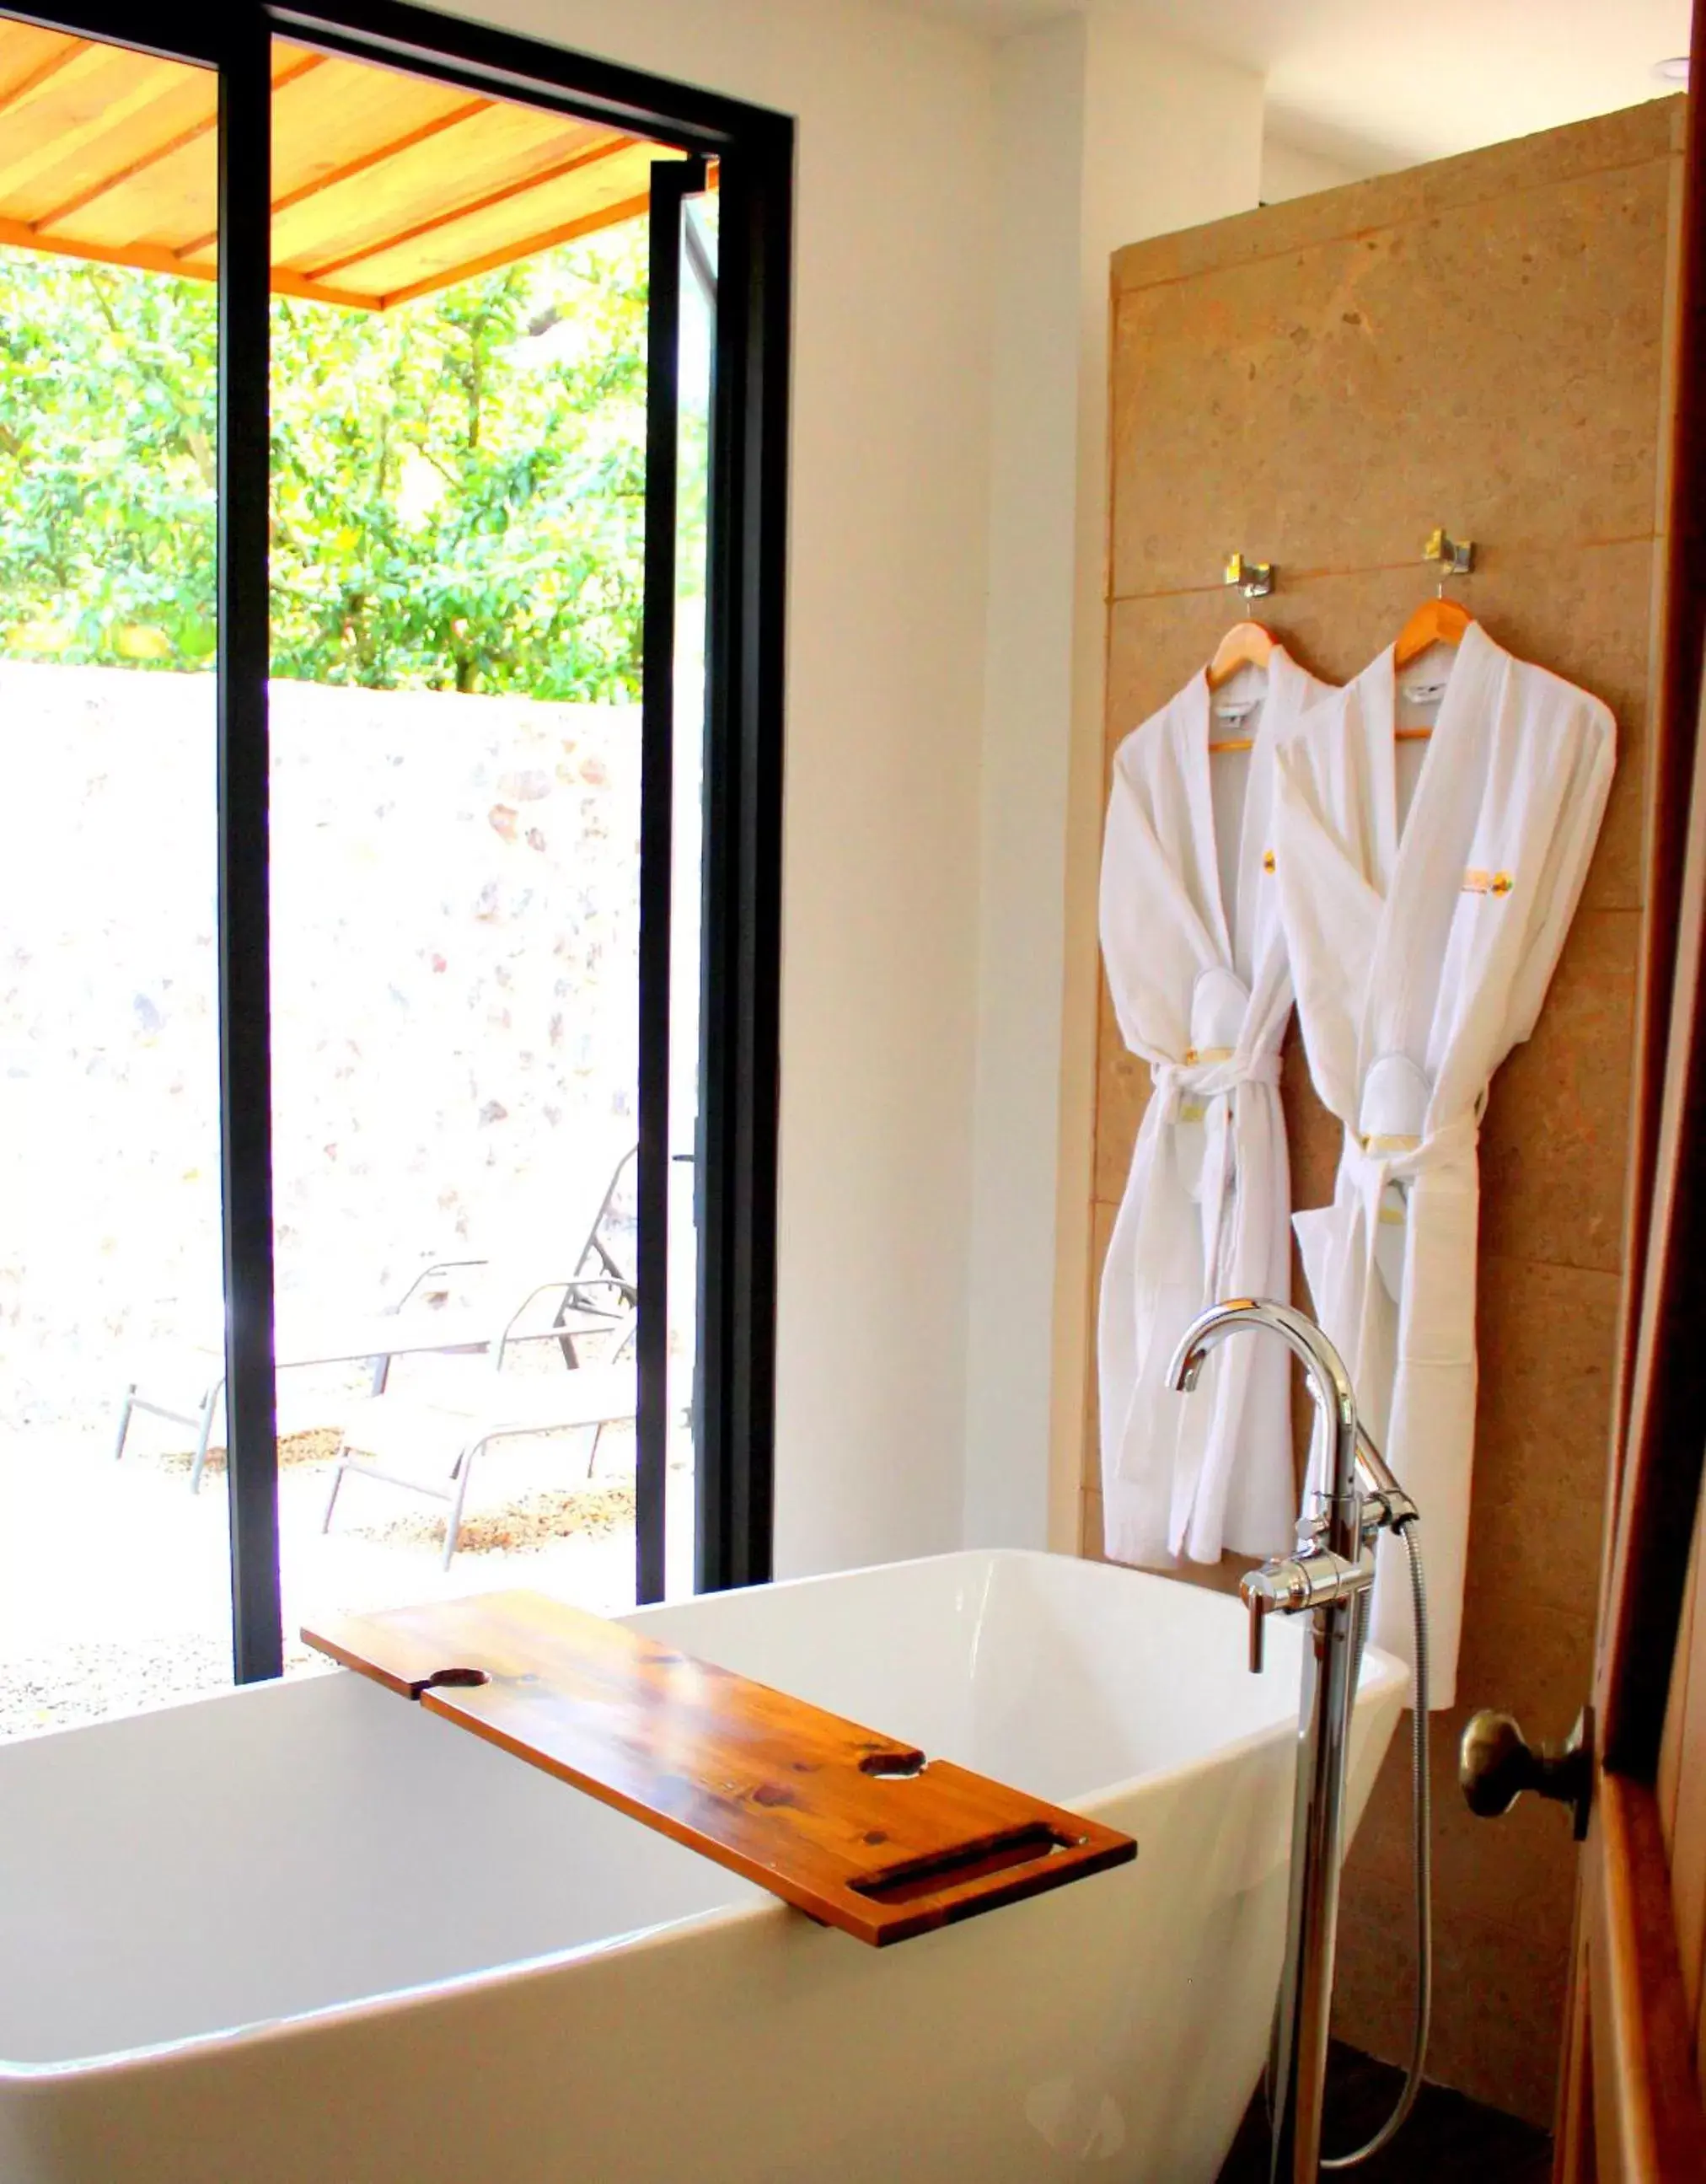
{"points": [[381, 1374], [593, 1452], [204, 1432], [338, 1472], [453, 1522], [124, 1410]]}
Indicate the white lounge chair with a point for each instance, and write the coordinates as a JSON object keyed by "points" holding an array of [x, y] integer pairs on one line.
{"points": [[397, 1438], [517, 1295]]}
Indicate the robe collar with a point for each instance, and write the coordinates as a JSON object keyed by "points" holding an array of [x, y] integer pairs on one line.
{"points": [[1411, 867], [1477, 669], [1193, 726]]}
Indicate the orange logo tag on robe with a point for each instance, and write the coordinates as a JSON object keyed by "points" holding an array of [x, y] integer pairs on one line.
{"points": [[1480, 883], [1267, 861]]}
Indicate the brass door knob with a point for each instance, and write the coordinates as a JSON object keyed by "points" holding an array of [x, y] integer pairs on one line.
{"points": [[1496, 1763]]}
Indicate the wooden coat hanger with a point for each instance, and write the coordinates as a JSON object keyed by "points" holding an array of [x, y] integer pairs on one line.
{"points": [[1246, 644], [1436, 621]]}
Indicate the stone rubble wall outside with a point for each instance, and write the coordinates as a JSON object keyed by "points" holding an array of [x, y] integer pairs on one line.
{"points": [[455, 915]]}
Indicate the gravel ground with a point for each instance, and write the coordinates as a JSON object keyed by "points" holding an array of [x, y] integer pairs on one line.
{"points": [[533, 1525], [114, 1586], [82, 1683], [317, 1445]]}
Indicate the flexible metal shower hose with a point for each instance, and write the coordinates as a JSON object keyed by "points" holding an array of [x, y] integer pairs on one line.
{"points": [[1422, 1811]]}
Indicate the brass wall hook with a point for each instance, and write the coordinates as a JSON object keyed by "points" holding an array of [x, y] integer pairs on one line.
{"points": [[1455, 556], [1255, 578]]}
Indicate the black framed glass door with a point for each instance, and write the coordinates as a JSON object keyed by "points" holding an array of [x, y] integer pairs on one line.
{"points": [[111, 1237], [686, 1243], [680, 495]]}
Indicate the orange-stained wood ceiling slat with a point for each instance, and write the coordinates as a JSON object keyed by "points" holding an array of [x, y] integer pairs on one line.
{"points": [[385, 186]]}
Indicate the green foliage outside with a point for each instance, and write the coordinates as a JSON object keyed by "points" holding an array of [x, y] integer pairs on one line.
{"points": [[458, 485]]}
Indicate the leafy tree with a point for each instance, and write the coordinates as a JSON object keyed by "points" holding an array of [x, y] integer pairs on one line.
{"points": [[457, 485], [107, 414]]}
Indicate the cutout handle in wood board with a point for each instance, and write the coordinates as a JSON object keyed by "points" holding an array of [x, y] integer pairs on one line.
{"points": [[858, 1829]]}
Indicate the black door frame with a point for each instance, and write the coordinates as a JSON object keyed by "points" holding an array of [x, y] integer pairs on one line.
{"points": [[673, 181], [745, 583]]}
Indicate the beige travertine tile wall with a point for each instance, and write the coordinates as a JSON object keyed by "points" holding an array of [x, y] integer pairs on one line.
{"points": [[1480, 343]]}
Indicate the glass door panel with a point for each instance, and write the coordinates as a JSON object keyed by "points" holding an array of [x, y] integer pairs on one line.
{"points": [[696, 351], [458, 498], [114, 1566], [354, 876]]}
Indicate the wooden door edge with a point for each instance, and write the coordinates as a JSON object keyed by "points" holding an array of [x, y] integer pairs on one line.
{"points": [[1572, 2137], [1649, 2122]]}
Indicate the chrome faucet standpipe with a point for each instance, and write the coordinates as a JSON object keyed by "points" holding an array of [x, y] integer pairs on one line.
{"points": [[1330, 1570]]}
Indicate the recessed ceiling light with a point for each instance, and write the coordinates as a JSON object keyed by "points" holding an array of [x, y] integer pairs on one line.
{"points": [[1672, 71]]}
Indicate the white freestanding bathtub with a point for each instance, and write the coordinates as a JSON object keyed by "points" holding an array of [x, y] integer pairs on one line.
{"points": [[307, 1933]]}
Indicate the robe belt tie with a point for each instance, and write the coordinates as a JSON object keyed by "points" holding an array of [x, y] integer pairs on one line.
{"points": [[1205, 1073], [1200, 1088], [1373, 1163]]}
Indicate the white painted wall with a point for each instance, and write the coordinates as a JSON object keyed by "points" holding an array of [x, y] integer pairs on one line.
{"points": [[959, 198], [1390, 85], [886, 610], [1293, 171], [1041, 101], [1112, 134]]}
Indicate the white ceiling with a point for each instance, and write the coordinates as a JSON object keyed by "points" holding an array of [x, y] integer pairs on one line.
{"points": [[1382, 82]]}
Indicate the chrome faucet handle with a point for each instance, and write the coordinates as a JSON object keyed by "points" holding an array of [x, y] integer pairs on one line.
{"points": [[1279, 1587], [1273, 1589], [1290, 1584], [1260, 1607], [1257, 1595]]}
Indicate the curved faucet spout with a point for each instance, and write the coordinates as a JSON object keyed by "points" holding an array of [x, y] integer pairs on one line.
{"points": [[1324, 1579], [1329, 1382]]}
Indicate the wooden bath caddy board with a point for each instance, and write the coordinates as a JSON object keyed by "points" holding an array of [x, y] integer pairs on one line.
{"points": [[849, 1826]]}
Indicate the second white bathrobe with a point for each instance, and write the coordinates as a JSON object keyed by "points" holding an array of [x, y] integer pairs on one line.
{"points": [[1420, 959], [1200, 988]]}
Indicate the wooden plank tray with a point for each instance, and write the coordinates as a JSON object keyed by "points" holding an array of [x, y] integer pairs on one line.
{"points": [[848, 1825]]}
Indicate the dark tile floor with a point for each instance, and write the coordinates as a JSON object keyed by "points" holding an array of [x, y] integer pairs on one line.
{"points": [[1448, 2135]]}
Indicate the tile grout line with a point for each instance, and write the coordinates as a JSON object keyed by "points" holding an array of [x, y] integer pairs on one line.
{"points": [[1509, 547], [1420, 216]]}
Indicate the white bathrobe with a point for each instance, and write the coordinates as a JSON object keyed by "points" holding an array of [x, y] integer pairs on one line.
{"points": [[1201, 991], [1420, 959]]}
